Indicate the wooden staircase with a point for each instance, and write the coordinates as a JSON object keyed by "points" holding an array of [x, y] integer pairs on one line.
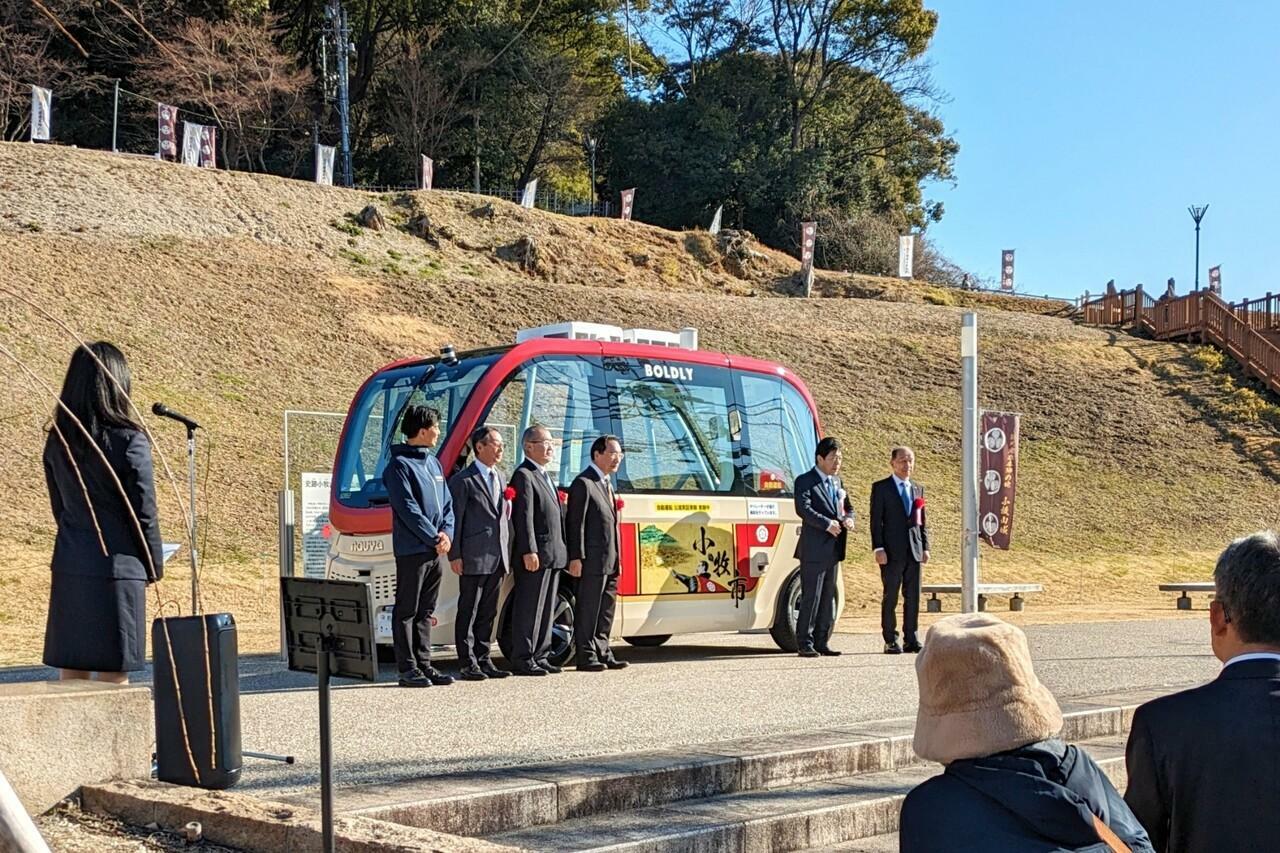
{"points": [[1248, 332]]}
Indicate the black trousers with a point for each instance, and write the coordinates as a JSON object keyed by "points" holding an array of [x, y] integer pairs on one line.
{"points": [[901, 575], [817, 604], [535, 600], [417, 586], [593, 617], [477, 608]]}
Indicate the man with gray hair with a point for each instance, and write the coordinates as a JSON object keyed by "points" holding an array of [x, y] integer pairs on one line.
{"points": [[1204, 764]]}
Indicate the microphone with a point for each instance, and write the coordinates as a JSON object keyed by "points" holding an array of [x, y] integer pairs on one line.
{"points": [[165, 412]]}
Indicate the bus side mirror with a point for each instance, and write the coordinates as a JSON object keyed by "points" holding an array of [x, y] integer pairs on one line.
{"points": [[735, 424]]}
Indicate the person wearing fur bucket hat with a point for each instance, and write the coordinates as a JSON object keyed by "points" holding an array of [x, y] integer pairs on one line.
{"points": [[1008, 783]]}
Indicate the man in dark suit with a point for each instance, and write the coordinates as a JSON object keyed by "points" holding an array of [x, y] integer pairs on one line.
{"points": [[900, 540], [592, 536], [481, 552], [537, 527], [1204, 764], [826, 517], [421, 535]]}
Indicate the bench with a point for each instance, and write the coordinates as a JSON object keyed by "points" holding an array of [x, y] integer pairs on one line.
{"points": [[1015, 590], [1184, 600]]}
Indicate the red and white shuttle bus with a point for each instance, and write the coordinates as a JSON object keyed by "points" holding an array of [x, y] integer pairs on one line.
{"points": [[713, 444]]}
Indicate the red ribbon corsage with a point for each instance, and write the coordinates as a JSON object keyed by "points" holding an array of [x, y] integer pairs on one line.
{"points": [[509, 493], [564, 496], [618, 504], [918, 508], [919, 504]]}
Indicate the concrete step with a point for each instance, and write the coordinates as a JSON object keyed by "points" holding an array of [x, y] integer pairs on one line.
{"points": [[810, 816], [490, 802]]}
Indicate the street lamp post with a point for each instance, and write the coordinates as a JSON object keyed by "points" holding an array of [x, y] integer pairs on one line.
{"points": [[1197, 213], [591, 147]]}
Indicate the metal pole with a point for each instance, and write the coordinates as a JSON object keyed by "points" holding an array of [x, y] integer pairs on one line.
{"points": [[593, 178], [1197, 254], [115, 117], [285, 516], [969, 468], [344, 106], [326, 755], [191, 480]]}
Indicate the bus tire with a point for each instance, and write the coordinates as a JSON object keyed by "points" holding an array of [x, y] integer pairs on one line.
{"points": [[562, 645], [650, 642], [783, 629]]}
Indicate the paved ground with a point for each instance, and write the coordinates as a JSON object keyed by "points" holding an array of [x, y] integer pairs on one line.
{"points": [[709, 687]]}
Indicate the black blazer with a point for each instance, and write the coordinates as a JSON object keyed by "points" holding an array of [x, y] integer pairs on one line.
{"points": [[482, 533], [133, 549], [537, 518], [892, 527], [816, 512], [1204, 764], [591, 527]]}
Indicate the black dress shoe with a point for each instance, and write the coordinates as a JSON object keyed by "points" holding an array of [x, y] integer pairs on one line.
{"points": [[492, 671], [437, 677], [616, 664], [414, 678], [549, 667], [808, 653], [593, 666], [892, 649], [829, 653], [912, 648], [473, 673], [533, 670]]}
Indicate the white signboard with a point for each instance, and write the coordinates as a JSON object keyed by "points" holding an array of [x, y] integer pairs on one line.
{"points": [[315, 520], [41, 105], [324, 165], [762, 509], [906, 255], [529, 194]]}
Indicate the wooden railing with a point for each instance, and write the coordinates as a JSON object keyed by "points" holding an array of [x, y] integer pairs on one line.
{"points": [[1247, 331]]}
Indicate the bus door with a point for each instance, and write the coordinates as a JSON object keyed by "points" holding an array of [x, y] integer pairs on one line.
{"points": [[683, 494]]}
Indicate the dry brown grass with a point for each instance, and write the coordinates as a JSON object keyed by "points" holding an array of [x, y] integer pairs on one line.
{"points": [[235, 298]]}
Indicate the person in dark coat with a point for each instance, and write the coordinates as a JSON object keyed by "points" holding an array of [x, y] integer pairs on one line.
{"points": [[826, 517], [1204, 764], [1009, 783], [421, 534], [97, 463], [595, 554], [900, 545], [538, 554], [481, 552]]}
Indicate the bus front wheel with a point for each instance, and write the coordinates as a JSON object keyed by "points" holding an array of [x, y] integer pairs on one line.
{"points": [[786, 615], [650, 642], [562, 645]]}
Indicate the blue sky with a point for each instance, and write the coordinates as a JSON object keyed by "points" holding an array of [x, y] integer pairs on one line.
{"points": [[1087, 128]]}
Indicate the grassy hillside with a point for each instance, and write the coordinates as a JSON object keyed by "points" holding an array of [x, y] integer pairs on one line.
{"points": [[237, 296]]}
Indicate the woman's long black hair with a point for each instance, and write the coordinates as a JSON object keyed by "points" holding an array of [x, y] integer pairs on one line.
{"points": [[92, 396]]}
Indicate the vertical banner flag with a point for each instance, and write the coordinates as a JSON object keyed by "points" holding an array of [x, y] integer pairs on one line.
{"points": [[167, 119], [628, 201], [324, 165], [808, 237], [428, 172], [529, 193], [999, 472], [315, 521], [190, 144], [1215, 280], [715, 221], [209, 147], [41, 106], [1006, 269], [906, 255]]}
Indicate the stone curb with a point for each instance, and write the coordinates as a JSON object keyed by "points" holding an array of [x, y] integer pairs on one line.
{"points": [[494, 801], [247, 823]]}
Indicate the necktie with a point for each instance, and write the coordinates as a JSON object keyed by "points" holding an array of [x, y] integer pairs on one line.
{"points": [[906, 498], [831, 493], [493, 487], [613, 503]]}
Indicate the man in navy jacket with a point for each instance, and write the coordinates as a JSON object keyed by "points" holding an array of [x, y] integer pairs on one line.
{"points": [[826, 517], [421, 535]]}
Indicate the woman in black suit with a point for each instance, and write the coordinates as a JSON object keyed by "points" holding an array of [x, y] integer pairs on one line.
{"points": [[97, 462]]}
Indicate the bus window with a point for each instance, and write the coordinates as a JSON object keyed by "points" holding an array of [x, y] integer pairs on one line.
{"points": [[674, 425], [567, 395], [779, 437]]}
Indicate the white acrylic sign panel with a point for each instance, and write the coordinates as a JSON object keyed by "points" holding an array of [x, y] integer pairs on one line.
{"points": [[315, 519]]}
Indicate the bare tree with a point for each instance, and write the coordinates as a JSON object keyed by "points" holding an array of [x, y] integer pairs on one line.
{"points": [[233, 70], [706, 29], [819, 40], [27, 57]]}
